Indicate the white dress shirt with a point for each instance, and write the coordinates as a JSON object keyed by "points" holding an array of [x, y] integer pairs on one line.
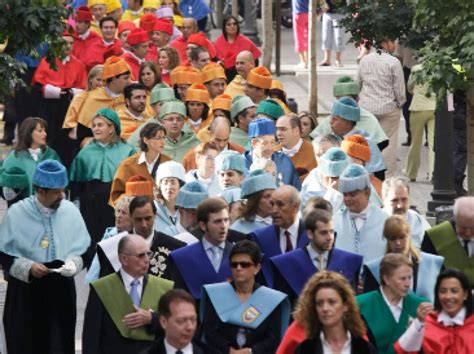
{"points": [[208, 247], [346, 349], [127, 281], [294, 150], [293, 230], [314, 256], [172, 350], [149, 166], [470, 244], [360, 218], [396, 310]]}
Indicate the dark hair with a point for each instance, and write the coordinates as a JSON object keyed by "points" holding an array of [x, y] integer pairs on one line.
{"points": [[243, 114], [311, 116], [109, 80], [210, 206], [277, 93], [173, 56], [294, 120], [128, 90], [149, 131], [250, 206], [314, 216], [153, 67], [224, 23], [463, 279], [196, 51], [107, 18], [316, 203], [205, 111], [26, 130], [249, 248], [140, 202], [173, 295]]}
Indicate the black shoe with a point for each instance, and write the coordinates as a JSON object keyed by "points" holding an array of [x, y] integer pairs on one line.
{"points": [[406, 143], [426, 143], [6, 142]]}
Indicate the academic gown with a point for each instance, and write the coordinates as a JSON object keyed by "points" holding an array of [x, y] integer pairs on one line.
{"points": [[180, 45], [227, 52], [220, 336], [40, 314], [247, 226], [191, 268], [368, 241], [133, 63], [380, 321], [424, 275], [268, 239], [25, 161], [101, 335], [159, 348], [80, 48], [285, 168], [161, 246], [293, 269], [91, 176], [70, 76]]}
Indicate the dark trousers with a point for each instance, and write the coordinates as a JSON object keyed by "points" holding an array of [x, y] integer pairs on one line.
{"points": [[406, 106]]}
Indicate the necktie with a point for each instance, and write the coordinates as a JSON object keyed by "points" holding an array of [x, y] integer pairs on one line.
{"points": [[466, 246], [289, 245], [320, 259], [215, 257], [134, 292], [179, 351]]}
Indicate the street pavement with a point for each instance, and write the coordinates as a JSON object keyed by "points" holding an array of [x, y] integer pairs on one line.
{"points": [[296, 86]]}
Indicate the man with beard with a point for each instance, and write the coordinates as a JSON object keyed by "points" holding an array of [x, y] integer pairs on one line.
{"points": [[142, 214], [396, 200], [135, 115], [42, 240]]}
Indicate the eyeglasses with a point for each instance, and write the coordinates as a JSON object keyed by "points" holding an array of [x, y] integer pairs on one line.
{"points": [[158, 138], [141, 255], [243, 265]]}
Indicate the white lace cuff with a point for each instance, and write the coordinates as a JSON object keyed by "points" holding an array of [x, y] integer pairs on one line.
{"points": [[20, 269]]}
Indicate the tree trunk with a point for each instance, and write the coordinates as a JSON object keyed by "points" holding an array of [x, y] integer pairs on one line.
{"points": [[267, 24], [470, 135], [313, 75]]}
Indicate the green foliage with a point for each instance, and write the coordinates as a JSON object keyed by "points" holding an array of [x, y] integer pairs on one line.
{"points": [[24, 24], [373, 21]]}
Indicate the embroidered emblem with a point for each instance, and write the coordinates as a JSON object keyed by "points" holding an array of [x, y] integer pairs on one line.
{"points": [[158, 261], [44, 242], [250, 315]]}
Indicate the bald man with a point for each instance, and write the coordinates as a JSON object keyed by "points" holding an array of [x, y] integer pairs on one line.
{"points": [[287, 232], [244, 62], [218, 133], [189, 27], [121, 312], [454, 240]]}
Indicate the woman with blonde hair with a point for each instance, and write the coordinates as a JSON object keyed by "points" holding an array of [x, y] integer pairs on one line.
{"points": [[426, 267], [328, 313]]}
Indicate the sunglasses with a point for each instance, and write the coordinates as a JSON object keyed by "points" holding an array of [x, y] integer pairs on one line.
{"points": [[243, 265]]}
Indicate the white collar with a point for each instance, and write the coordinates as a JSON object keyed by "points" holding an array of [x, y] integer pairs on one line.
{"points": [[142, 159], [294, 150], [110, 93], [45, 210], [345, 348], [84, 35], [206, 244], [127, 278], [363, 214], [447, 320], [140, 60], [195, 124], [136, 13], [108, 44], [293, 229], [171, 350], [149, 238], [268, 220], [314, 254], [399, 305], [35, 153], [206, 181], [66, 60]]}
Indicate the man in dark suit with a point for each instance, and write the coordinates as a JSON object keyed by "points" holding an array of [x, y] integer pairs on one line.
{"points": [[287, 232], [121, 310], [142, 214], [178, 318], [293, 269], [207, 261]]}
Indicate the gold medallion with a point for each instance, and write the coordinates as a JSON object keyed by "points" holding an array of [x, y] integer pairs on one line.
{"points": [[44, 242]]}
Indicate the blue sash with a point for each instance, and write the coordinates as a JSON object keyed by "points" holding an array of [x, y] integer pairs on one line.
{"points": [[428, 270], [296, 266], [252, 312], [268, 239], [196, 268]]}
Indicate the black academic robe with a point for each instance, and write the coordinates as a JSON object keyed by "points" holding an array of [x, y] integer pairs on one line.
{"points": [[314, 346], [40, 317], [161, 246], [221, 336], [101, 336], [159, 348]]}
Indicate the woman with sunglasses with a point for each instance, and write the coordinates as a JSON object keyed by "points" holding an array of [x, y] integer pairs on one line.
{"points": [[243, 316]]}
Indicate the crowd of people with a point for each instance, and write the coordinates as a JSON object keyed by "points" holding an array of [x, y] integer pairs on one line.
{"points": [[208, 216]]}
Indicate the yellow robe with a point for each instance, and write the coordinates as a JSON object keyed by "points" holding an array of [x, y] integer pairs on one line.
{"points": [[129, 16], [129, 123], [235, 87]]}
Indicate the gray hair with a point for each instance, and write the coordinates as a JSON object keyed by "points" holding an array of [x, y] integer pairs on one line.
{"points": [[321, 139], [392, 182], [465, 205]]}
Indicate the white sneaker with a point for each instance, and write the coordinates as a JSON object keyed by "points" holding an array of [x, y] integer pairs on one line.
{"points": [[300, 67]]}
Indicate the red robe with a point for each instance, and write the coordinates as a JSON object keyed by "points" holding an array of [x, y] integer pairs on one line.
{"points": [[133, 63], [97, 50], [80, 47], [73, 74], [294, 335], [227, 52], [180, 45], [152, 54], [440, 339]]}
